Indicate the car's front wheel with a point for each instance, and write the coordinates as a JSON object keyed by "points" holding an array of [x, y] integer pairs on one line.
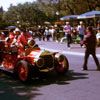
{"points": [[62, 66]]}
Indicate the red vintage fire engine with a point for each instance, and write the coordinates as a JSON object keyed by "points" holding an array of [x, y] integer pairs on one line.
{"points": [[28, 62]]}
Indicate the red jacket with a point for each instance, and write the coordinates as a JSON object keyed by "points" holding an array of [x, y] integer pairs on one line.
{"points": [[22, 39], [89, 40]]}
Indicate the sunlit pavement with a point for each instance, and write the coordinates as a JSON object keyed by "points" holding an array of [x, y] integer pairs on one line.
{"points": [[62, 47]]}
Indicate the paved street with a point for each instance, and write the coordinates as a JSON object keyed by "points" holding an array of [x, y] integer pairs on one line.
{"points": [[75, 85], [75, 48]]}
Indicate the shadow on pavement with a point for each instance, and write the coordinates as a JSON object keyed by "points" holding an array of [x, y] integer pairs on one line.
{"points": [[54, 78], [13, 89], [76, 75]]}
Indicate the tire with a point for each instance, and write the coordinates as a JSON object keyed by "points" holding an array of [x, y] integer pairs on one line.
{"points": [[23, 71], [61, 67]]}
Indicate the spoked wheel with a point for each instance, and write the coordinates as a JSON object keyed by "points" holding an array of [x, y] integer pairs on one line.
{"points": [[61, 66], [23, 71]]}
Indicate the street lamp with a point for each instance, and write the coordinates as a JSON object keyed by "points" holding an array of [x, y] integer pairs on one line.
{"points": [[17, 22], [57, 13]]}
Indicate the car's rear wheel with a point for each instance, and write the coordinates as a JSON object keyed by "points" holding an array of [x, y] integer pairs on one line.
{"points": [[23, 71], [61, 67]]}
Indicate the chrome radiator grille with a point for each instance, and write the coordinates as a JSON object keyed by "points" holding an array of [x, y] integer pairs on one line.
{"points": [[48, 61]]}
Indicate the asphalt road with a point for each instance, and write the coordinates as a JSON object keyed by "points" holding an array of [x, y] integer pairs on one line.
{"points": [[75, 85]]}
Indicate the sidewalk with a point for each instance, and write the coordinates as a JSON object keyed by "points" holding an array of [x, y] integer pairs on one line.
{"points": [[54, 46]]}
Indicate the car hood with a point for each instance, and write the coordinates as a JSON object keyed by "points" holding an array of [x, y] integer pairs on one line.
{"points": [[38, 53]]}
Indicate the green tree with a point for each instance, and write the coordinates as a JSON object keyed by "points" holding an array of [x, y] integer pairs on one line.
{"points": [[27, 14], [2, 22], [36, 13]]}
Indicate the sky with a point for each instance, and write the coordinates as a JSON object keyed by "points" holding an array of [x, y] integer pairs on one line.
{"points": [[6, 3]]}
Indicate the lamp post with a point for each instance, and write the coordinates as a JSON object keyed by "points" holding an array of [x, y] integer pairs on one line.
{"points": [[57, 13], [17, 22]]}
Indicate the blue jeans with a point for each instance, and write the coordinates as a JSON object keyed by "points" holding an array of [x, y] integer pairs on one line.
{"points": [[69, 39], [81, 38]]}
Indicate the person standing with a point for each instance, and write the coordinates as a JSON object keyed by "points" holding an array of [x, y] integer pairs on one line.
{"points": [[47, 33], [98, 25], [90, 42], [67, 30], [57, 32], [98, 36], [53, 33], [81, 31], [39, 33], [42, 33]]}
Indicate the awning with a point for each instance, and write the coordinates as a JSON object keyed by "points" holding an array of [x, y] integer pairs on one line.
{"points": [[69, 17], [90, 14]]}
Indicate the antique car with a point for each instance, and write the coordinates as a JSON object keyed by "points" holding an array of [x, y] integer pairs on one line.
{"points": [[27, 63]]}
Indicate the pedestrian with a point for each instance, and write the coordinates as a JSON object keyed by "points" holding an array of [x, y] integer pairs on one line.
{"points": [[47, 33], [39, 33], [81, 31], [90, 42], [98, 36], [53, 33], [42, 32], [67, 30], [74, 30], [57, 27], [98, 25]]}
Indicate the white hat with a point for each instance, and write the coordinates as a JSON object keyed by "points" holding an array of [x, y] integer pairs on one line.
{"points": [[55, 25], [46, 27], [67, 22], [17, 29], [81, 22]]}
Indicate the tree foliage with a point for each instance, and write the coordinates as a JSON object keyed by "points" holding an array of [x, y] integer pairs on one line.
{"points": [[27, 14], [76, 6], [2, 22], [68, 7], [37, 13]]}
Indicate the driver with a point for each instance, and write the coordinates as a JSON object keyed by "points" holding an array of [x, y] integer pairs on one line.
{"points": [[23, 39]]}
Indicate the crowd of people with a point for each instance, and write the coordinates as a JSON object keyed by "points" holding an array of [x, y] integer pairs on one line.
{"points": [[67, 33]]}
